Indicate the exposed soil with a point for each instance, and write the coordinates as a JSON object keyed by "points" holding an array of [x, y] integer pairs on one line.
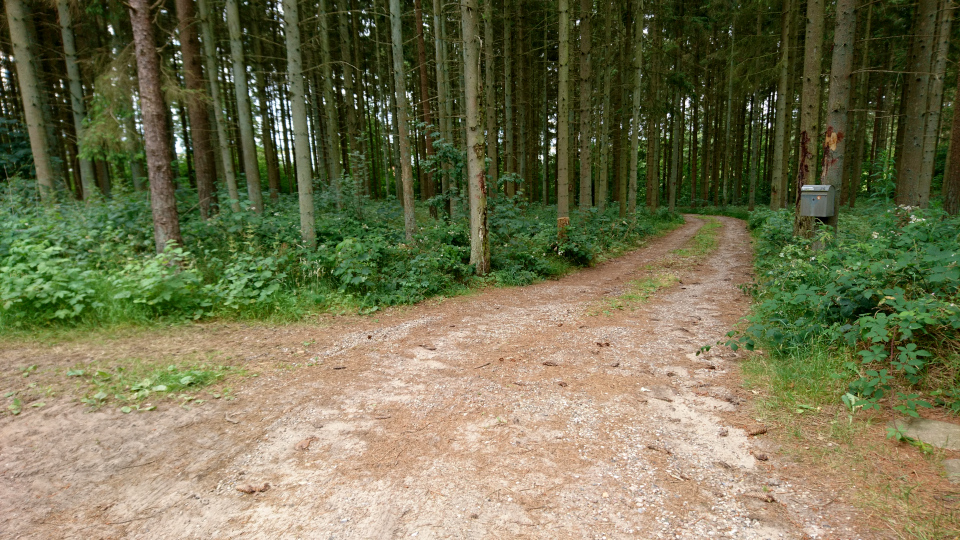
{"points": [[533, 412]]}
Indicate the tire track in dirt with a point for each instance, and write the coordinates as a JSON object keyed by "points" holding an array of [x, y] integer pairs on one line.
{"points": [[528, 412]]}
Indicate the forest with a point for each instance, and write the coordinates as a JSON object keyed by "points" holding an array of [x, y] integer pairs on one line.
{"points": [[197, 192], [182, 160]]}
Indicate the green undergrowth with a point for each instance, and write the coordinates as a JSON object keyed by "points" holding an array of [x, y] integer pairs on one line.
{"points": [[870, 321], [848, 336], [84, 267]]}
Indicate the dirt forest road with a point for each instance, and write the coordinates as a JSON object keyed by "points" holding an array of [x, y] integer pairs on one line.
{"points": [[534, 412]]}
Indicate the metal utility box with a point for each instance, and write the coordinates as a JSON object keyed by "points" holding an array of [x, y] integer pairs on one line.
{"points": [[817, 201]]}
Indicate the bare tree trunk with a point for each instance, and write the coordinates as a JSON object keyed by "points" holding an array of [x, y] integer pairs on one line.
{"points": [[637, 100], [406, 168], [329, 105], [87, 176], [778, 182], [425, 101], [855, 170], [604, 137], [166, 224], [727, 144], [222, 139], [349, 97], [563, 119], [197, 107], [251, 166], [32, 95], [809, 106], [509, 150], [439, 38], [676, 150], [586, 166], [754, 151], [490, 98], [653, 118], [834, 143], [301, 136], [932, 129], [266, 121], [911, 189], [951, 179], [545, 174], [479, 240]]}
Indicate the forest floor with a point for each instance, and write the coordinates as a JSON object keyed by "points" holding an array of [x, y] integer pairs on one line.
{"points": [[574, 408]]}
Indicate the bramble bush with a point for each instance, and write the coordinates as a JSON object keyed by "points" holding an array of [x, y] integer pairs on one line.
{"points": [[885, 291], [95, 264]]}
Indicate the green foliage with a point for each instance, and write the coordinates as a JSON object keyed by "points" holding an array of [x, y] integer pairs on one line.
{"points": [[38, 284], [886, 289], [166, 283], [94, 264], [16, 158], [133, 381]]}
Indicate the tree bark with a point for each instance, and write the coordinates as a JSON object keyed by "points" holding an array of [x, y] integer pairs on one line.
{"points": [[911, 189], [490, 97], [479, 240], [860, 116], [251, 166], [509, 150], [653, 117], [406, 167], [586, 164], [349, 97], [329, 106], [266, 116], [31, 93], [429, 179], [951, 179], [197, 108], [834, 142], [932, 120], [809, 106], [166, 224], [220, 122], [778, 181], [727, 143], [87, 176], [637, 100], [563, 119], [605, 114], [298, 109], [440, 44]]}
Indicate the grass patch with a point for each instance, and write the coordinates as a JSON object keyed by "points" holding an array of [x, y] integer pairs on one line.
{"points": [[639, 292], [130, 383], [702, 243], [899, 484]]}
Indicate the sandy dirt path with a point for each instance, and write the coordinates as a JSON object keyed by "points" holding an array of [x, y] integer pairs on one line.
{"points": [[533, 412]]}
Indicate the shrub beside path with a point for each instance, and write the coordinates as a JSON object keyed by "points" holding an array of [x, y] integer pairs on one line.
{"points": [[574, 408]]}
